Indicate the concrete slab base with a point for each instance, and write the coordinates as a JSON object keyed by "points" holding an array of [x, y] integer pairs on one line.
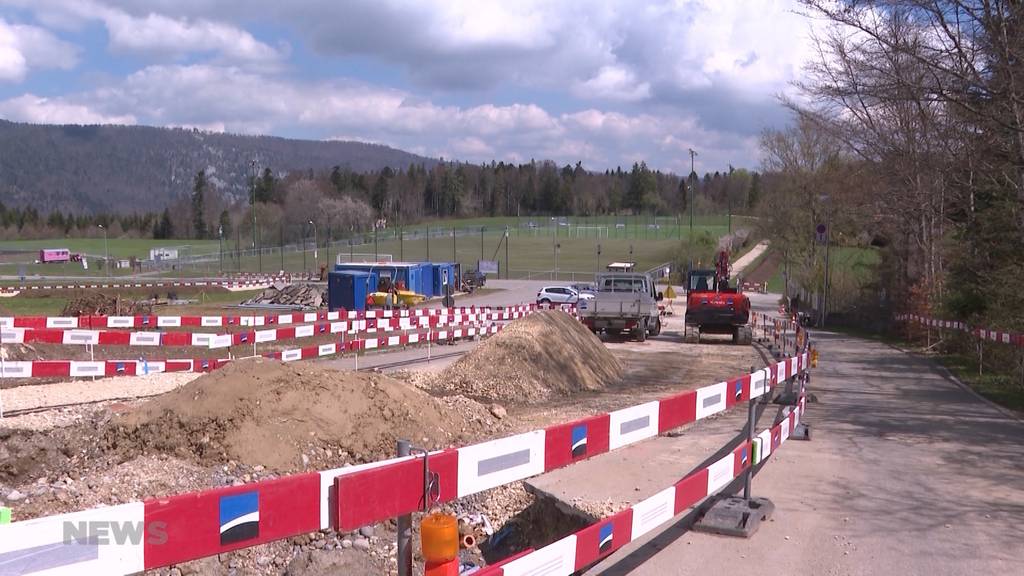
{"points": [[734, 516]]}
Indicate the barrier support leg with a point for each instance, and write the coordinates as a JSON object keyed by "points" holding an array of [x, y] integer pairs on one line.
{"points": [[732, 515], [404, 527]]}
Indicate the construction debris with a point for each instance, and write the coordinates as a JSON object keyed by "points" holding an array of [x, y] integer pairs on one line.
{"points": [[99, 304], [304, 295], [546, 354]]}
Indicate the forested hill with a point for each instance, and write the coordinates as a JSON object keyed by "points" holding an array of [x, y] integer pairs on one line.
{"points": [[121, 169]]}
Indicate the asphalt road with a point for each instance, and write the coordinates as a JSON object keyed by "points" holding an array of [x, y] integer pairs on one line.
{"points": [[906, 473]]}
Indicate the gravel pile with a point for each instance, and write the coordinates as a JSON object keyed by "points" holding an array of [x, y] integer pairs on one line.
{"points": [[545, 355], [99, 304], [305, 295]]}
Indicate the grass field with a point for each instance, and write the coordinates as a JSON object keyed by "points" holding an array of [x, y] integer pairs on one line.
{"points": [[531, 249], [845, 262]]}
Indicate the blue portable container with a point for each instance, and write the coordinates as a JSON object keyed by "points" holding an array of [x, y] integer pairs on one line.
{"points": [[348, 289]]}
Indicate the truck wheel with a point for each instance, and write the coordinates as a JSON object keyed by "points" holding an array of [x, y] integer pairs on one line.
{"points": [[656, 329], [736, 335], [614, 332], [746, 335], [691, 335], [640, 333]]}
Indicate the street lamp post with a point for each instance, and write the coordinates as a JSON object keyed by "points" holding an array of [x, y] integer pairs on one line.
{"points": [[315, 252], [252, 186], [106, 251], [220, 235]]}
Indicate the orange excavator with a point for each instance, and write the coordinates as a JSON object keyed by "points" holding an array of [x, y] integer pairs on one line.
{"points": [[713, 307]]}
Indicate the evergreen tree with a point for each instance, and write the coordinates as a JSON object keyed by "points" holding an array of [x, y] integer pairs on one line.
{"points": [[198, 208]]}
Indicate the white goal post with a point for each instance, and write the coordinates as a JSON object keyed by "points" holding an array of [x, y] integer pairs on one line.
{"points": [[346, 257], [597, 231]]}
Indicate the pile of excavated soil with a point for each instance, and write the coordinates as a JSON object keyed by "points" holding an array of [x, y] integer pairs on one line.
{"points": [[544, 355], [264, 412], [99, 304]]}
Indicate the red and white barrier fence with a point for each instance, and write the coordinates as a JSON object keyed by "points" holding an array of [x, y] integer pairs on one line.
{"points": [[174, 529], [1000, 336], [356, 325], [151, 321], [601, 539], [143, 366], [132, 285]]}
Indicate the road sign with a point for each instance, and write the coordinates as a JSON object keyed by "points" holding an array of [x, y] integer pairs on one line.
{"points": [[821, 233]]}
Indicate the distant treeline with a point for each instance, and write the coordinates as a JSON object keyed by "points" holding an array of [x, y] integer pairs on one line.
{"points": [[341, 201]]}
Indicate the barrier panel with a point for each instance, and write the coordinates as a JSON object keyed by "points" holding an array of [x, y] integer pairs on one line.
{"points": [[129, 285], [350, 324], [143, 366], [151, 321]]}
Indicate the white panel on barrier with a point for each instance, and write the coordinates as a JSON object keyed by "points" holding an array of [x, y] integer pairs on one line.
{"points": [[168, 321], [414, 338], [794, 368], [490, 464], [442, 335], [106, 540], [785, 428], [334, 315], [394, 340], [766, 445], [12, 335], [62, 322], [200, 339], [338, 327], [18, 369], [556, 559], [780, 371], [650, 513], [211, 321], [309, 317], [720, 473], [284, 319], [144, 339], [304, 331], [291, 355], [88, 368], [146, 367], [632, 424], [221, 341], [370, 343], [1006, 338], [758, 381], [711, 400], [327, 349], [6, 322], [120, 321], [268, 335]]}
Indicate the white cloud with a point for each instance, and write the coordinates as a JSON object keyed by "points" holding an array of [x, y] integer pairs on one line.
{"points": [[23, 47], [613, 83], [158, 34], [39, 110]]}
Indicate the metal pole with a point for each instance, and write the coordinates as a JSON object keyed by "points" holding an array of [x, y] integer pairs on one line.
{"points": [[428, 243], [376, 257], [748, 476], [506, 253], [455, 257], [481, 242], [401, 244], [315, 251], [404, 527], [828, 242]]}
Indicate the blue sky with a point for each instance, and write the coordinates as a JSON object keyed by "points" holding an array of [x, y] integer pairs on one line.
{"points": [[605, 82]]}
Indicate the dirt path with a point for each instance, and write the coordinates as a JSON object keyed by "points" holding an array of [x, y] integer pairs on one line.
{"points": [[765, 269], [907, 473]]}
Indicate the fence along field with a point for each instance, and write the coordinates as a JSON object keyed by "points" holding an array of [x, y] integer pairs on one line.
{"points": [[533, 242]]}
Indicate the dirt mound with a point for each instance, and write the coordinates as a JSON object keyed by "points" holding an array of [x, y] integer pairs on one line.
{"points": [[306, 295], [546, 354], [283, 416], [98, 304]]}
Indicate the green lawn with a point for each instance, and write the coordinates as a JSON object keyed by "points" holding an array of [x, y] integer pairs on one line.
{"points": [[853, 262], [37, 306], [1003, 389], [119, 247]]}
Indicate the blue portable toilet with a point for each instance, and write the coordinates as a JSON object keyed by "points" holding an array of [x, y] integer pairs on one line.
{"points": [[348, 289], [441, 270]]}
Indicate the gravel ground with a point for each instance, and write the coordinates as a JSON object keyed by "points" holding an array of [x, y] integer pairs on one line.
{"points": [[82, 391]]}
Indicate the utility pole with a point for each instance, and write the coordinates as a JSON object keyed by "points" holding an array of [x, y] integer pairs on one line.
{"points": [[482, 242], [693, 192], [220, 235], [315, 254], [252, 185], [506, 253], [106, 251]]}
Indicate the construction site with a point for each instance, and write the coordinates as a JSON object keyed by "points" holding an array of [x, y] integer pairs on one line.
{"points": [[248, 413]]}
